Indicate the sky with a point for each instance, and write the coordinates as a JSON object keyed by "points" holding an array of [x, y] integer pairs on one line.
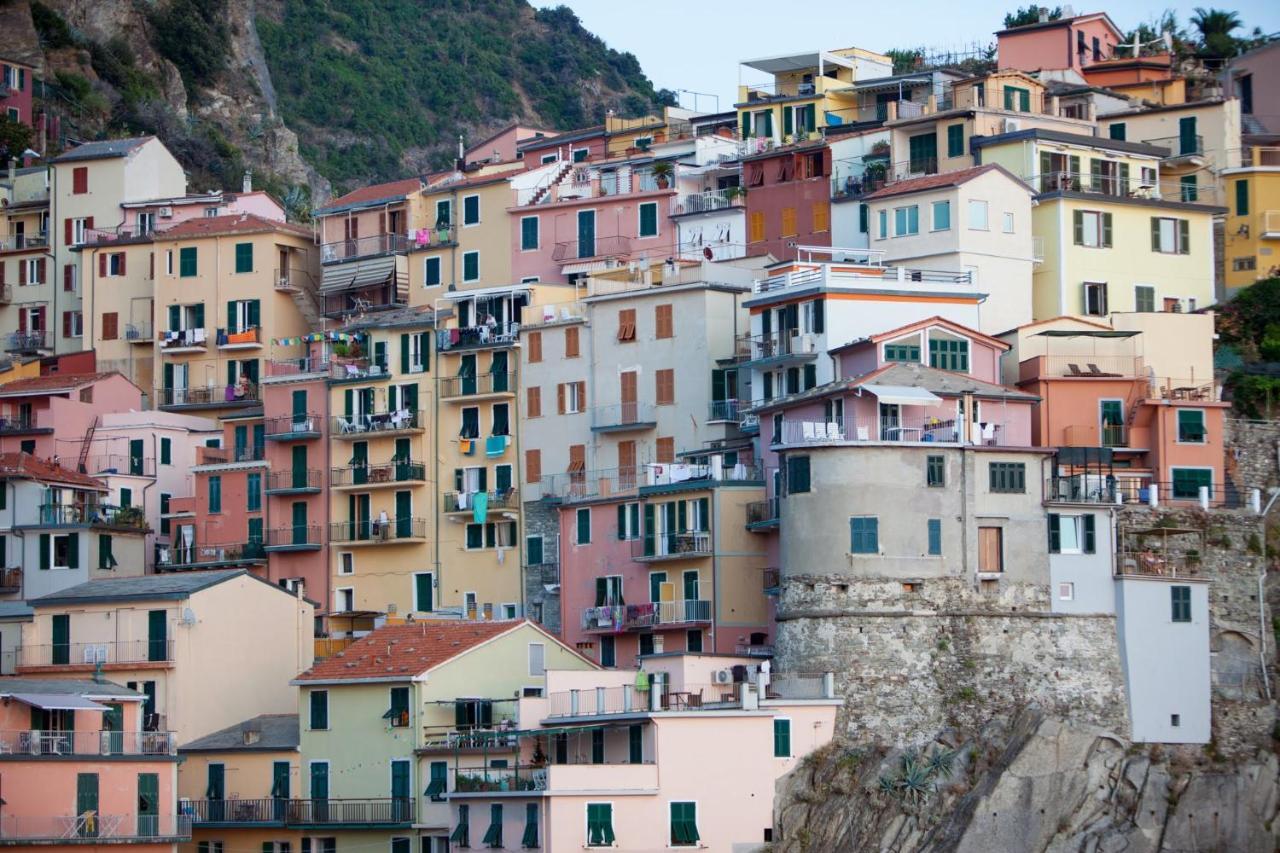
{"points": [[697, 46]]}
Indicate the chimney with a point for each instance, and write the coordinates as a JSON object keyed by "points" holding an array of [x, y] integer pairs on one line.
{"points": [[13, 168], [1044, 15], [247, 185]]}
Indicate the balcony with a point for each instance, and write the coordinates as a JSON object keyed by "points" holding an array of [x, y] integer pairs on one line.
{"points": [[208, 397], [374, 475], [121, 463], [725, 410], [301, 366], [93, 828], [573, 486], [689, 544], [591, 249], [377, 532], [11, 580], [184, 341], [627, 700], [301, 813], [709, 201], [545, 315], [23, 242], [477, 337], [118, 236], [1136, 187], [340, 301], [624, 417], [22, 424], [610, 619], [357, 370], [908, 428], [230, 455], [1097, 488], [1081, 365], [296, 427], [763, 515], [107, 653], [478, 386], [784, 348], [856, 270], [291, 482], [490, 780], [122, 518], [250, 338], [363, 247], [29, 343], [1179, 146], [464, 502], [376, 423], [297, 537], [87, 743], [771, 581], [221, 556], [138, 333]]}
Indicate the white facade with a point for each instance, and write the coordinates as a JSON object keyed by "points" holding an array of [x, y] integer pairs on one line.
{"points": [[1080, 570], [849, 167]]}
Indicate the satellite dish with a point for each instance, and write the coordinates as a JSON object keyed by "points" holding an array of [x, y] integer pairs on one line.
{"points": [[188, 616]]}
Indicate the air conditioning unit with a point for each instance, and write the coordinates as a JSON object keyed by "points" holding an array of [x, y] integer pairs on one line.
{"points": [[722, 676], [165, 213], [1011, 125]]}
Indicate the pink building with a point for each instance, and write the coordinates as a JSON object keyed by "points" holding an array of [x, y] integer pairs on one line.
{"points": [[78, 768], [788, 199], [51, 416], [1066, 43], [503, 146], [17, 80]]}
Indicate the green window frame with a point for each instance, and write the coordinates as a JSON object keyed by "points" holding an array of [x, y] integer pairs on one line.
{"points": [[215, 493], [1242, 197], [781, 737], [1144, 298], [600, 825], [935, 537], [798, 475], [582, 526], [949, 355], [955, 140], [864, 534], [318, 704], [529, 235], [935, 471], [684, 824], [253, 492], [941, 216], [106, 559], [1191, 426], [1007, 477], [244, 257], [493, 835], [461, 836], [1180, 603], [902, 352], [1104, 229], [471, 266], [1017, 99], [187, 262], [648, 225], [1189, 187], [166, 451], [864, 218], [471, 210], [431, 275], [1187, 482]]}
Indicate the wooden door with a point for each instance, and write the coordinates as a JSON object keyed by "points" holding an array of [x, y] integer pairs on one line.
{"points": [[990, 549]]}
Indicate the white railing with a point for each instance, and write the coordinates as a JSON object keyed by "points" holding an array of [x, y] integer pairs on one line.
{"points": [[907, 428], [1271, 223], [709, 200]]}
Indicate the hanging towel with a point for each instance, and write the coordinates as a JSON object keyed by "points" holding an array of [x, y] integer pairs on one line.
{"points": [[495, 445], [479, 507], [467, 446]]}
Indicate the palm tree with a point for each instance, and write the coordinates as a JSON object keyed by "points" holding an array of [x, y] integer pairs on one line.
{"points": [[1215, 26]]}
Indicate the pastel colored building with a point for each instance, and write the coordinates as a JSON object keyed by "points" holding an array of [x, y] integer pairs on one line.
{"points": [[13, 614], [60, 528], [805, 92], [468, 238], [1245, 79], [788, 199], [17, 83], [1147, 78], [51, 416], [26, 262], [170, 636], [1071, 42], [1252, 227], [502, 146], [80, 767]]}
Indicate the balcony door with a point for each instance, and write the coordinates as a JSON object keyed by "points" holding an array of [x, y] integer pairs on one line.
{"points": [[157, 635], [630, 409], [404, 515], [299, 523], [61, 652], [148, 804], [1111, 417], [586, 233], [279, 788], [87, 805], [113, 729], [358, 516], [360, 463], [319, 791], [216, 790], [298, 478], [400, 793]]}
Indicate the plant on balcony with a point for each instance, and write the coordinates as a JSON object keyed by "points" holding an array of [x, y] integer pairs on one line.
{"points": [[130, 516], [662, 173], [735, 193], [881, 147]]}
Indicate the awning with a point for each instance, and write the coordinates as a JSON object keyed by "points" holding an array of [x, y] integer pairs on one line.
{"points": [[58, 702], [360, 274], [903, 395]]}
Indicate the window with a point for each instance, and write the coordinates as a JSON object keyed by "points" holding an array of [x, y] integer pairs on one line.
{"points": [[244, 257], [949, 354], [431, 271], [215, 493], [648, 225], [1095, 298], [902, 352], [1187, 482], [600, 825], [1091, 229], [582, 527], [627, 325], [977, 215], [253, 489], [533, 342], [1007, 476], [666, 451], [663, 323], [882, 217], [781, 738], [80, 180], [398, 712], [1191, 426], [470, 266], [797, 475], [1190, 188], [935, 537], [571, 342], [629, 521], [471, 210], [755, 226], [187, 262], [533, 402], [788, 222], [319, 709], [1144, 298], [955, 140], [581, 154], [1072, 534], [864, 535], [821, 217], [906, 221], [1180, 603], [665, 392], [72, 324], [1066, 591], [1244, 264], [1017, 99], [1242, 197], [1170, 236], [571, 397], [684, 824], [528, 233], [942, 216], [1007, 223], [1117, 131], [936, 471]]}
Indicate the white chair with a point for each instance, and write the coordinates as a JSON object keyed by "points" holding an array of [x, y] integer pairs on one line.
{"points": [[807, 431], [345, 426], [988, 433], [864, 434]]}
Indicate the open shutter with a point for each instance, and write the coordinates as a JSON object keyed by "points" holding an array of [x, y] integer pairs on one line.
{"points": [[73, 550], [1106, 230], [44, 551], [1077, 224], [404, 353], [1155, 234], [233, 325], [622, 521], [1184, 236], [1090, 535]]}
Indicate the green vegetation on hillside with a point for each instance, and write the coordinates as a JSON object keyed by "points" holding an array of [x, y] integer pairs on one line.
{"points": [[1248, 330], [362, 81]]}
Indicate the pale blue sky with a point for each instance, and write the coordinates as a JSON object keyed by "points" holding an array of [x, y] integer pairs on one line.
{"points": [[697, 46]]}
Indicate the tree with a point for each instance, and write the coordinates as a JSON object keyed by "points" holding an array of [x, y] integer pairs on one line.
{"points": [[15, 137], [1215, 26], [1030, 15]]}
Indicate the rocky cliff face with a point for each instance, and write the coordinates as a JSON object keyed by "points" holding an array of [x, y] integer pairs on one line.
{"points": [[1032, 783]]}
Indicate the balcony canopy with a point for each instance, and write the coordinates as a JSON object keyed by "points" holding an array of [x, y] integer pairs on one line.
{"points": [[58, 702], [796, 62], [903, 395], [1086, 333], [360, 274]]}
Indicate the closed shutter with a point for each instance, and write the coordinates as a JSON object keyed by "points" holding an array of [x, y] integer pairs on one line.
{"points": [[1106, 230], [1184, 236], [1055, 533]]}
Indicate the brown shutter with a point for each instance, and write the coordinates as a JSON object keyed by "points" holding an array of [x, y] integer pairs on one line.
{"points": [[560, 398], [102, 265], [667, 449], [535, 347], [66, 324], [88, 223], [68, 277], [22, 272], [532, 465], [110, 326], [151, 269], [533, 402], [989, 550], [577, 457], [571, 342], [66, 231], [580, 388], [122, 260], [666, 387], [626, 455], [42, 268], [3, 265], [662, 321]]}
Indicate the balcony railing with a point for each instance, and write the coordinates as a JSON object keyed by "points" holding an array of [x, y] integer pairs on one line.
{"points": [[363, 247], [98, 515], [483, 383], [762, 513], [289, 480], [1136, 186], [395, 471], [622, 416], [357, 369], [61, 829], [138, 333], [376, 530], [294, 426], [14, 424], [18, 242], [88, 743], [26, 342], [637, 617], [121, 463], [522, 777], [184, 339], [209, 395], [249, 337], [605, 482], [724, 410], [1096, 488], [105, 652], [586, 250], [11, 580], [1179, 146], [360, 425], [297, 366], [236, 811], [659, 546], [295, 536], [906, 428], [710, 200], [230, 455], [361, 812], [179, 557], [542, 315], [784, 343], [466, 501], [476, 337]]}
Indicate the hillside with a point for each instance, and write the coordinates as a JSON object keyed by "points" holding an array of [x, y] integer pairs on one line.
{"points": [[317, 96]]}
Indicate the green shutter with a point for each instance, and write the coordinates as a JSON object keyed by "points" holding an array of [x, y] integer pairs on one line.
{"points": [[1155, 233], [1077, 224], [175, 319], [1090, 534], [1242, 197], [781, 738], [244, 257], [955, 140], [584, 526], [1055, 533], [44, 551], [622, 521], [746, 125], [187, 262], [1184, 236], [73, 550], [1106, 230], [1117, 132]]}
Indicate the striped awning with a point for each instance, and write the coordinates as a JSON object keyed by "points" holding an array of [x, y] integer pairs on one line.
{"points": [[364, 273]]}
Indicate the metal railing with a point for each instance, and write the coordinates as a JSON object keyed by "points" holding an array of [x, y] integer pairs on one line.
{"points": [[95, 743], [426, 238], [481, 383], [724, 410], [295, 535], [121, 463], [249, 336], [1114, 186], [522, 777], [209, 395], [363, 247], [120, 827], [223, 553], [1095, 488], [395, 471], [20, 423], [297, 366], [11, 579], [622, 415], [621, 699], [799, 685], [376, 530], [289, 480], [474, 337], [236, 811], [763, 512], [584, 250], [105, 652], [1157, 564], [603, 482], [783, 343], [98, 515], [687, 543], [29, 341], [229, 455], [1260, 155], [466, 501], [138, 333], [1089, 365], [710, 200], [365, 812], [635, 617], [1179, 146], [183, 339], [307, 425], [357, 369], [292, 279], [383, 421], [16, 242]]}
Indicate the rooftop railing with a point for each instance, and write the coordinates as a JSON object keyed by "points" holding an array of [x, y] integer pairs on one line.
{"points": [[478, 337], [591, 249], [906, 428], [1135, 186], [121, 463], [98, 515], [86, 743], [645, 616]]}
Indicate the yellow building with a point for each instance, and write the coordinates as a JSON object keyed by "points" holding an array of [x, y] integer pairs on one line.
{"points": [[805, 88], [119, 289], [224, 287], [236, 784], [1253, 219], [469, 241], [632, 136]]}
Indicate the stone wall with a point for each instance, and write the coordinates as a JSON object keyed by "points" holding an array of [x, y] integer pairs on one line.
{"points": [[943, 656], [542, 519], [1251, 455]]}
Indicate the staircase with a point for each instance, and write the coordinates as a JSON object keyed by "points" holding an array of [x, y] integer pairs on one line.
{"points": [[559, 175], [85, 445], [302, 288]]}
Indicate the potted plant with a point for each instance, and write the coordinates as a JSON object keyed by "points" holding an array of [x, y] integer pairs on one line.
{"points": [[662, 173], [880, 147], [735, 193]]}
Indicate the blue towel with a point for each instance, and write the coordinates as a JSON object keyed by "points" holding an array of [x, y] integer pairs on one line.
{"points": [[495, 445], [479, 507]]}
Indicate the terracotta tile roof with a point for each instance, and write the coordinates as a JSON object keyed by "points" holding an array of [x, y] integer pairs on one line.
{"points": [[24, 466], [52, 383], [376, 192], [933, 182], [404, 651], [233, 223]]}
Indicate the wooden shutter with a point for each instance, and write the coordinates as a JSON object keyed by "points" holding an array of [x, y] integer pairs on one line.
{"points": [[533, 465], [662, 320], [535, 347], [560, 398], [627, 324], [533, 402], [666, 387], [110, 326], [1184, 236], [577, 457], [820, 219], [756, 229], [666, 449], [580, 391], [1155, 233], [123, 257], [788, 222], [571, 342], [989, 550], [69, 277], [1106, 230], [1055, 533], [22, 272]]}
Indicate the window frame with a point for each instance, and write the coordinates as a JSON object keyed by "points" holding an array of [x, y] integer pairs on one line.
{"points": [[945, 205], [466, 199], [537, 233], [640, 214], [1007, 478], [438, 262], [858, 542], [1204, 427], [976, 204], [1180, 604], [906, 221], [472, 253]]}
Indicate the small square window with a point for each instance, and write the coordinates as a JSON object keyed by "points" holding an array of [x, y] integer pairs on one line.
{"points": [[1066, 592], [1175, 720]]}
